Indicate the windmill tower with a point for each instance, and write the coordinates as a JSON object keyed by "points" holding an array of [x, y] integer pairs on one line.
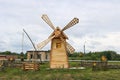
{"points": [[59, 46]]}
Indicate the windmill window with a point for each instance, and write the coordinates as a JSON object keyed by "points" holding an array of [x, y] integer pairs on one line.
{"points": [[31, 56], [46, 56], [38, 56], [58, 45]]}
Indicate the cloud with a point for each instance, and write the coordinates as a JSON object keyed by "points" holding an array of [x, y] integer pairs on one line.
{"points": [[99, 23], [97, 43]]}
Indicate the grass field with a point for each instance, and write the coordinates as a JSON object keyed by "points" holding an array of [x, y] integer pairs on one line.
{"points": [[59, 74]]}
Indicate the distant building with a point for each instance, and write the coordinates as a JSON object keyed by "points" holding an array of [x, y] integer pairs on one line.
{"points": [[2, 57], [44, 55], [8, 57]]}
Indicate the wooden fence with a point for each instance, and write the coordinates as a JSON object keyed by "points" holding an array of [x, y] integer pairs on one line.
{"points": [[30, 66], [96, 65], [99, 65]]}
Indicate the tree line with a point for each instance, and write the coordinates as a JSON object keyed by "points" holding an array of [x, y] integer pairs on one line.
{"points": [[110, 55], [14, 53]]}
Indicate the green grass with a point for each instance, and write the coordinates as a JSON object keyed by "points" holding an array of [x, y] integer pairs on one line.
{"points": [[114, 63], [59, 74]]}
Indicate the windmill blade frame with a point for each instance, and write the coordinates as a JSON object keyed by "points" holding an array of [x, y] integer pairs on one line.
{"points": [[43, 43], [70, 48], [48, 21], [71, 23]]}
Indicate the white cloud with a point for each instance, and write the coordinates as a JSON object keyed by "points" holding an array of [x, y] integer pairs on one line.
{"points": [[109, 41], [99, 22]]}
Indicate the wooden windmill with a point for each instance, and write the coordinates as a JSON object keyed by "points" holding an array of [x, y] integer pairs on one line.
{"points": [[59, 46]]}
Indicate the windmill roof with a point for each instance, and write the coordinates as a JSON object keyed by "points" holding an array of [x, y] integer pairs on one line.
{"points": [[62, 33]]}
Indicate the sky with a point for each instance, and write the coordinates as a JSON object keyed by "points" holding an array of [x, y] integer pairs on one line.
{"points": [[98, 28]]}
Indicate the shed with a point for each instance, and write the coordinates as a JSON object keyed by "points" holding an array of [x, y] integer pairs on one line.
{"points": [[44, 55]]}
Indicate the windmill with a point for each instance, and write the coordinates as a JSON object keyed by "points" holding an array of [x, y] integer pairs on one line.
{"points": [[59, 46]]}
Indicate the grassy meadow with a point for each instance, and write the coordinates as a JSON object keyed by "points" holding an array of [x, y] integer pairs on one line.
{"points": [[59, 74]]}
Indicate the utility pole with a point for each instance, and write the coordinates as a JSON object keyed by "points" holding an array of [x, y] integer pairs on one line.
{"points": [[22, 41], [84, 47]]}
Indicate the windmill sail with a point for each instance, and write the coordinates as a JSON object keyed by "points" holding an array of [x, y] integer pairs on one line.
{"points": [[71, 23], [45, 42], [70, 49], [47, 20]]}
